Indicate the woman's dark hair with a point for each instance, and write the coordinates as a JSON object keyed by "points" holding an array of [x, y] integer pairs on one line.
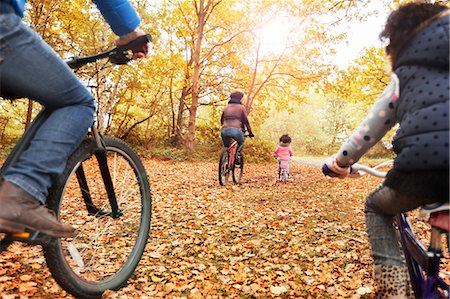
{"points": [[237, 95], [285, 138], [405, 21]]}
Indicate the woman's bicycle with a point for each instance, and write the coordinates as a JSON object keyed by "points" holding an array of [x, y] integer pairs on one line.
{"points": [[105, 195], [228, 164], [423, 263]]}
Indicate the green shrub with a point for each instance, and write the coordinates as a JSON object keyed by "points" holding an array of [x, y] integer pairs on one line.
{"points": [[166, 153], [257, 150]]}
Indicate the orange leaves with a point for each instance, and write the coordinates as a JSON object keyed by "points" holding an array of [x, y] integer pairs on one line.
{"points": [[303, 239]]}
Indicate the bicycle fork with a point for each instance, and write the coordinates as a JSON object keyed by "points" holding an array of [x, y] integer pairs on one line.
{"points": [[100, 154]]}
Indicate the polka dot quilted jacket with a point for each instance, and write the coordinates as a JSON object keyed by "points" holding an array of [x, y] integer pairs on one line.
{"points": [[422, 67]]}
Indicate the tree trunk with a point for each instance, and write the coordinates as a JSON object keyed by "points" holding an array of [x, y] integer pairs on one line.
{"points": [[29, 114], [190, 137], [3, 123]]}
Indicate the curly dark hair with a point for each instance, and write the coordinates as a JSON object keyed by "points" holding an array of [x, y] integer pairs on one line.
{"points": [[285, 138], [405, 21]]}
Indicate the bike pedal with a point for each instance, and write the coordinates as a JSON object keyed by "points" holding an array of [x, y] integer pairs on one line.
{"points": [[21, 235], [33, 238]]}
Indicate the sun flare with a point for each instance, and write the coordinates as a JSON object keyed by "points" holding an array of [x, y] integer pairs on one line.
{"points": [[274, 36]]}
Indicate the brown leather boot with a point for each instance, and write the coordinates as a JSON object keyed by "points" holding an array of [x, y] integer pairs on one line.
{"points": [[20, 211], [392, 282]]}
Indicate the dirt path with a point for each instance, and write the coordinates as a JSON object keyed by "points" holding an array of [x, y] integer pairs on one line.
{"points": [[317, 162]]}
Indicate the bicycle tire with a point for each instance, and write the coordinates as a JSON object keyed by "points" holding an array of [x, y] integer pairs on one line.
{"points": [[281, 177], [285, 176], [237, 170], [224, 172], [112, 247]]}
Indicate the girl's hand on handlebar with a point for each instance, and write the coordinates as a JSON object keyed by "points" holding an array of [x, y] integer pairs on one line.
{"points": [[125, 39], [332, 169]]}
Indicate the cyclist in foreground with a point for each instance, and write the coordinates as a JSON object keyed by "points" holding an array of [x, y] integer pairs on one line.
{"points": [[30, 68], [418, 99], [234, 122]]}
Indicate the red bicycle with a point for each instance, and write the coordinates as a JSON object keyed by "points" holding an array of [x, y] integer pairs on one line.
{"points": [[228, 163]]}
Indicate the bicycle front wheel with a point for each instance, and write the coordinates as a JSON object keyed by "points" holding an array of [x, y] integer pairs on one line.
{"points": [[108, 245], [224, 171], [237, 170]]}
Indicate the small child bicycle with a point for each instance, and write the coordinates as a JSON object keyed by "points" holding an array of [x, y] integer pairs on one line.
{"points": [[283, 170], [423, 263]]}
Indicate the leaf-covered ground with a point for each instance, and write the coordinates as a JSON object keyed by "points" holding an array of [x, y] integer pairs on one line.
{"points": [[260, 239]]}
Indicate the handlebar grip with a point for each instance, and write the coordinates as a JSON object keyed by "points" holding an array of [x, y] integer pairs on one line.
{"points": [[120, 53], [135, 44], [328, 172]]}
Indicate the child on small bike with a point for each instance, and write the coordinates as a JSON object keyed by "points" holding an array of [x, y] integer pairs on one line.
{"points": [[418, 99], [283, 153]]}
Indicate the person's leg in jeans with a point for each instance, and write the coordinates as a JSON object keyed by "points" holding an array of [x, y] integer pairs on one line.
{"points": [[226, 138], [233, 133], [239, 137], [30, 68], [390, 272]]}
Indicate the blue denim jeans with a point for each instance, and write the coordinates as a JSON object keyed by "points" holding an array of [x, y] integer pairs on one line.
{"points": [[228, 134], [380, 208], [30, 68]]}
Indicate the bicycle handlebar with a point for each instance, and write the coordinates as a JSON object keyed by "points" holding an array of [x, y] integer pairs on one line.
{"points": [[359, 170], [117, 55]]}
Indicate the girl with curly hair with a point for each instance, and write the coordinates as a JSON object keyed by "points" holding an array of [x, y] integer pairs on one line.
{"points": [[283, 153], [417, 98]]}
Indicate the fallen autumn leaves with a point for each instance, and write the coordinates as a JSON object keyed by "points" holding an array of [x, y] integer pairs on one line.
{"points": [[303, 239]]}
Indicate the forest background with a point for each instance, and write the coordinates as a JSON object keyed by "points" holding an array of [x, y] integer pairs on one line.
{"points": [[281, 53]]}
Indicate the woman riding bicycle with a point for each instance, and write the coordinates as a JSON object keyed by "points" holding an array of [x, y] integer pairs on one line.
{"points": [[234, 121], [418, 99], [30, 68]]}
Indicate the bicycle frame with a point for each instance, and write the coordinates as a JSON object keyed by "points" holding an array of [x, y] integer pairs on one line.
{"points": [[419, 260], [232, 148]]}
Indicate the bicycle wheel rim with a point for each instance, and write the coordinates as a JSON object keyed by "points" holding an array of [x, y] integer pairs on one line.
{"points": [[110, 248], [224, 172]]}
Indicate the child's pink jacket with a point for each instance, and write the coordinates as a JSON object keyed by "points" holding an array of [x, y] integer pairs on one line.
{"points": [[283, 152]]}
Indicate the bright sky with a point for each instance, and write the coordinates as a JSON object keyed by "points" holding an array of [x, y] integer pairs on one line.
{"points": [[275, 35], [362, 34]]}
